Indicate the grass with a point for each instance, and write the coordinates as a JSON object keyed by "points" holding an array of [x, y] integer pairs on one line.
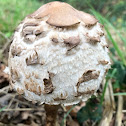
{"points": [[1, 109], [121, 56], [122, 94], [12, 12], [116, 73], [65, 116], [106, 85], [107, 26]]}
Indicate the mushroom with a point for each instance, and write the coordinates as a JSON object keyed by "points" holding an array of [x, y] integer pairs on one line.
{"points": [[42, 70]]}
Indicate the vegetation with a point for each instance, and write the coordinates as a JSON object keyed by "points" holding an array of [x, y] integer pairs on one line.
{"points": [[12, 12], [112, 14]]}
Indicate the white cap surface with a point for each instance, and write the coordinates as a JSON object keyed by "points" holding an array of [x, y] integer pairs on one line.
{"points": [[54, 62]]}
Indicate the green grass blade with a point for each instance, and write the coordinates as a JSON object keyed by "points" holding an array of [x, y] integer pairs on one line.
{"points": [[62, 123], [119, 52], [106, 85], [2, 109], [120, 93], [104, 20]]}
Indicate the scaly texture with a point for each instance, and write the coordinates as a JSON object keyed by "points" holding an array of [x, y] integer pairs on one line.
{"points": [[58, 65]]}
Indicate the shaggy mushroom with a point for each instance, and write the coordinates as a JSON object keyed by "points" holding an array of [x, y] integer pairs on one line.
{"points": [[59, 55]]}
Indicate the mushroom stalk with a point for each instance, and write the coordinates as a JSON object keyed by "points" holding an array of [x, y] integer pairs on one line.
{"points": [[51, 114]]}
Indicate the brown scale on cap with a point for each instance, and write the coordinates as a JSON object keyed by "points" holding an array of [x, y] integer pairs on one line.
{"points": [[11, 84], [105, 45], [41, 35], [48, 86], [101, 33], [20, 91], [61, 97], [55, 40], [32, 59], [33, 86], [92, 39], [15, 50], [27, 76], [89, 75], [26, 86], [30, 23], [29, 30], [39, 90], [103, 62], [101, 26], [72, 41], [62, 14], [84, 93], [29, 38], [35, 75], [32, 31], [14, 75], [38, 30]]}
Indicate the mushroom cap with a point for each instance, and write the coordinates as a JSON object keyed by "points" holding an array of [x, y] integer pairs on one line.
{"points": [[62, 14], [58, 57]]}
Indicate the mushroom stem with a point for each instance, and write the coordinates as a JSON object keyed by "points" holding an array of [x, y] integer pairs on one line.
{"points": [[51, 114]]}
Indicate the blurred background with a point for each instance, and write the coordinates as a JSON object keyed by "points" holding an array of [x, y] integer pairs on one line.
{"points": [[109, 108]]}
